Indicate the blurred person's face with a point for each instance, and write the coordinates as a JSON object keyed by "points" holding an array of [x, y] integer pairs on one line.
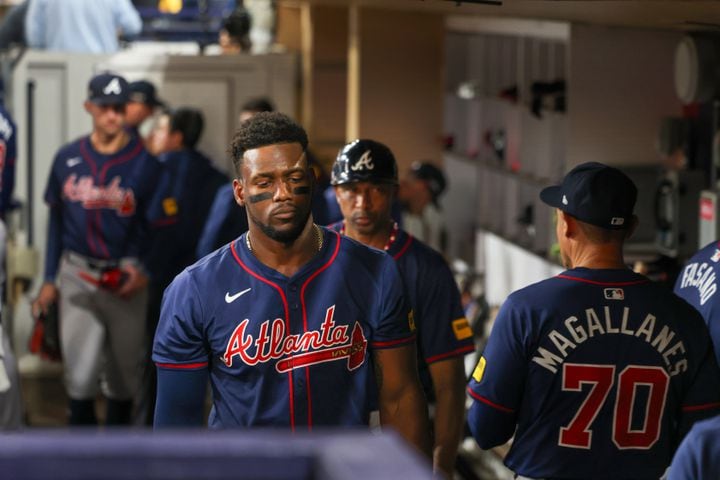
{"points": [[228, 45], [365, 206], [108, 120], [160, 139], [136, 113]]}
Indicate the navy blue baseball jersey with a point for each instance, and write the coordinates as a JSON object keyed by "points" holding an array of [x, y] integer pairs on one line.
{"points": [[8, 154], [443, 332], [601, 371], [698, 285], [285, 351], [179, 209], [98, 202], [699, 454]]}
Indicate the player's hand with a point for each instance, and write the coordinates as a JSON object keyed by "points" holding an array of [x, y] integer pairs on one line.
{"points": [[47, 296], [136, 281]]}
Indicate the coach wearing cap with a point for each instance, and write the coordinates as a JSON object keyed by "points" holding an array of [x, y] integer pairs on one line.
{"points": [[597, 372], [97, 193]]}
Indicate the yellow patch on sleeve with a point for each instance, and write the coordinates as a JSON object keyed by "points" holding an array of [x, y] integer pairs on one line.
{"points": [[170, 206], [479, 370], [461, 328], [411, 321]]}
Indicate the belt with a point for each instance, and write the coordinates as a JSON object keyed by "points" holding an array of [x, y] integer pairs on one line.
{"points": [[90, 263]]}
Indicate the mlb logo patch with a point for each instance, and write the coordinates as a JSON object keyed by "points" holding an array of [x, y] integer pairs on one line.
{"points": [[614, 294], [716, 256]]}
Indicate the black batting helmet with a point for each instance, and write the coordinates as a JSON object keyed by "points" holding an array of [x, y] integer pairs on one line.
{"points": [[364, 160]]}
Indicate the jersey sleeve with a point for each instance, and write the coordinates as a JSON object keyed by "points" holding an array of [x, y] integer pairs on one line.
{"points": [[179, 342], [394, 323], [444, 330], [702, 399], [497, 383]]}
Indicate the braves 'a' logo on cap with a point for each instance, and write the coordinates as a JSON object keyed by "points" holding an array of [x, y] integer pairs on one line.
{"points": [[364, 162], [614, 294], [113, 87], [329, 344]]}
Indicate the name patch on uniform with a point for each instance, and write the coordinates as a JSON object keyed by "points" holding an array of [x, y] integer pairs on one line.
{"points": [[170, 206], [461, 328], [614, 294], [479, 370]]}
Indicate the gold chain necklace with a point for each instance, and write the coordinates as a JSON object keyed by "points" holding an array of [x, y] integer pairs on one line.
{"points": [[318, 238]]}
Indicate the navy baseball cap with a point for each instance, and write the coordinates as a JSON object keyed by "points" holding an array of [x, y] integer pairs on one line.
{"points": [[143, 91], [596, 194], [108, 89]]}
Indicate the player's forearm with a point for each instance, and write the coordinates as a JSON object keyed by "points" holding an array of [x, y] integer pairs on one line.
{"points": [[53, 249], [408, 416], [449, 420]]}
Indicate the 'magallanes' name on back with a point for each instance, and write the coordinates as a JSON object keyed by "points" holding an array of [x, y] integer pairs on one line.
{"points": [[596, 322]]}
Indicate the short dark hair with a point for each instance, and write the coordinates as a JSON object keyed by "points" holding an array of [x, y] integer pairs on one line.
{"points": [[237, 25], [189, 122], [258, 104], [266, 128], [599, 235]]}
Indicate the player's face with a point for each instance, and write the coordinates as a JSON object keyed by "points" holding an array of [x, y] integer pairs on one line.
{"points": [[365, 205], [107, 119], [136, 113], [160, 138], [276, 190]]}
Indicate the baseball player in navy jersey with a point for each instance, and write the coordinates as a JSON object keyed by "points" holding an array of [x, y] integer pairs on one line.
{"points": [[98, 191], [11, 412], [698, 285], [295, 325], [699, 453], [365, 179], [597, 372]]}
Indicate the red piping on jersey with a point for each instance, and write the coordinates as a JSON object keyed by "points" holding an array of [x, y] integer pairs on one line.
{"points": [[305, 324], [287, 325], [182, 366], [484, 400], [603, 284], [165, 221], [103, 171], [404, 247], [392, 343], [455, 353], [705, 406], [93, 171]]}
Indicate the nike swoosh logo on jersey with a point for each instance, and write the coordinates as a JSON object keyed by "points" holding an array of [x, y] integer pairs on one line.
{"points": [[231, 298], [73, 161]]}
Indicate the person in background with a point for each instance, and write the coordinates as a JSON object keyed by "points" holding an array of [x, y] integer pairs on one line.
{"points": [[12, 27], [365, 180], [422, 215], [80, 26], [184, 194], [11, 411], [142, 106], [234, 35], [596, 372], [698, 284], [98, 193]]}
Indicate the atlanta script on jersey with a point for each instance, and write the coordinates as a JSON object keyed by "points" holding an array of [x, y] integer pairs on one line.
{"points": [[698, 285], [285, 351], [596, 368]]}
